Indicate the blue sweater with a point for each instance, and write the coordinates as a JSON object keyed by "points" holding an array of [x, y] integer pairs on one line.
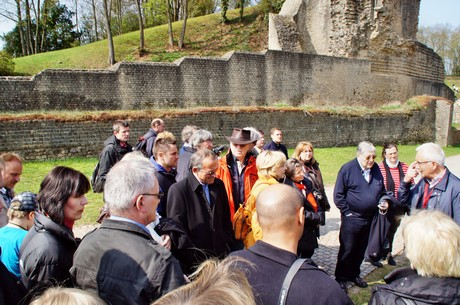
{"points": [[352, 193]]}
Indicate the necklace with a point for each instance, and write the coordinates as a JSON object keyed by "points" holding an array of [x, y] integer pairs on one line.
{"points": [[19, 226]]}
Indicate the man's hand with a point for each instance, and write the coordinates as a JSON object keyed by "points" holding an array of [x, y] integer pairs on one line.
{"points": [[166, 241], [412, 172]]}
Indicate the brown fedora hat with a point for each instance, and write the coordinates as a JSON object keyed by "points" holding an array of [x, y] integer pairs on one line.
{"points": [[240, 136]]}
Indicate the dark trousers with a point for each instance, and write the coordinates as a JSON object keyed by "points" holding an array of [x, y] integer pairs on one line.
{"points": [[353, 237]]}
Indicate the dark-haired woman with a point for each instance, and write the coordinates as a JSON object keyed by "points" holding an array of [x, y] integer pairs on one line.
{"points": [[47, 251], [305, 154], [295, 177], [393, 172]]}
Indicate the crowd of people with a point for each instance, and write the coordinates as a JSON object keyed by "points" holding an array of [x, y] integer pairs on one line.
{"points": [[192, 225]]}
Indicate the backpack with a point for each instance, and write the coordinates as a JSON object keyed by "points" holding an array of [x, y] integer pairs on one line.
{"points": [[96, 184], [141, 145]]}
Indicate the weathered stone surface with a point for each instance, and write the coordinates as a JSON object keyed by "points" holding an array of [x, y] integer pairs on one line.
{"points": [[44, 139]]}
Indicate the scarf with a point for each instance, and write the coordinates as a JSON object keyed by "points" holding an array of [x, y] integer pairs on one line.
{"points": [[310, 198], [390, 181]]}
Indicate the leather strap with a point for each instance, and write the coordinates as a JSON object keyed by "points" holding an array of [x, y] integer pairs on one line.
{"points": [[288, 279]]}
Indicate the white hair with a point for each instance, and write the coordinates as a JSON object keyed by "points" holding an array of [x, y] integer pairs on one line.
{"points": [[126, 180], [432, 152], [200, 136], [255, 134], [364, 147]]}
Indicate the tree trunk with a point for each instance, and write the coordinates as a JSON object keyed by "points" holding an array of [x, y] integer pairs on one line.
{"points": [[37, 26], [170, 30], [141, 27], [109, 33], [29, 41], [184, 23], [20, 29], [93, 4]]}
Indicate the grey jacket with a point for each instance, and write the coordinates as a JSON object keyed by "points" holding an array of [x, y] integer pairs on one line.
{"points": [[124, 265]]}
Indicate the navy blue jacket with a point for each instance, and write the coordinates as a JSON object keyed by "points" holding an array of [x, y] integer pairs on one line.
{"points": [[445, 196], [352, 193], [276, 147]]}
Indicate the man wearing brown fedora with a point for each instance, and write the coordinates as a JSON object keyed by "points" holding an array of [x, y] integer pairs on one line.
{"points": [[238, 169]]}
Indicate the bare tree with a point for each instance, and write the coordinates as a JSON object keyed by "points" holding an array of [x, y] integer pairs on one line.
{"points": [[141, 25], [93, 6], [170, 30], [112, 60], [184, 23]]}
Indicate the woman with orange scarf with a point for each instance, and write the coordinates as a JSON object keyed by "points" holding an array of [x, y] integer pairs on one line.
{"points": [[295, 177]]}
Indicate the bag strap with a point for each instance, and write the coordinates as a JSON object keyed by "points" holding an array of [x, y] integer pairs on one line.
{"points": [[288, 279]]}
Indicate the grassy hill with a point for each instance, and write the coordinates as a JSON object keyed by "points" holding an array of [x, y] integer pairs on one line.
{"points": [[205, 36]]}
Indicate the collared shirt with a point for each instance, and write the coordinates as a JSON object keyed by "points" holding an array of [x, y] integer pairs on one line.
{"points": [[435, 180], [7, 196], [366, 172], [205, 189], [120, 218]]}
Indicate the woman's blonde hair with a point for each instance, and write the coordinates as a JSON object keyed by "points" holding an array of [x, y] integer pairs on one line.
{"points": [[68, 296], [214, 283], [432, 243], [268, 162], [300, 148]]}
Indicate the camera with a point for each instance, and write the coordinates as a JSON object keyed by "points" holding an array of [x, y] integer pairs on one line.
{"points": [[217, 150]]}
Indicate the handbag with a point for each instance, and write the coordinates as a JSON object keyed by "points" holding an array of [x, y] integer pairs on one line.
{"points": [[241, 225], [288, 279]]}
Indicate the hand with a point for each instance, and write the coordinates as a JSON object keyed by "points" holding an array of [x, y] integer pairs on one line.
{"points": [[412, 172], [383, 205], [166, 241]]}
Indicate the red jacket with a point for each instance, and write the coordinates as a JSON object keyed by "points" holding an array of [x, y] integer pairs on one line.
{"points": [[250, 177]]}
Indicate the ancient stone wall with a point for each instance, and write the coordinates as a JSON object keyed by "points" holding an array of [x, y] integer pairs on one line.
{"points": [[44, 139], [238, 79], [381, 31]]}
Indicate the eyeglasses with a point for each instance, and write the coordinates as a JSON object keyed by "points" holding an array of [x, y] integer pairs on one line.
{"points": [[210, 173], [159, 195], [422, 162]]}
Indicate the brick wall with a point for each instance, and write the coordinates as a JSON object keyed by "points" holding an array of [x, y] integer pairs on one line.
{"points": [[237, 79], [44, 139]]}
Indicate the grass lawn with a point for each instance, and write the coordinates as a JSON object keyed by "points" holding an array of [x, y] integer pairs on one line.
{"points": [[330, 159]]}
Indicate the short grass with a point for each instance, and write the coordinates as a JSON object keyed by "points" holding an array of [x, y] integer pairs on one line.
{"points": [[205, 36], [361, 296], [451, 80], [331, 159]]}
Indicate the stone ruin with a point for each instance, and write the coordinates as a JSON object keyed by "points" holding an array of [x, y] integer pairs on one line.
{"points": [[382, 31]]}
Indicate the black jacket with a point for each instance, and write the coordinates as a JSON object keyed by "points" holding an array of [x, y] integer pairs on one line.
{"points": [[208, 227], [111, 154], [124, 265], [404, 286], [46, 253], [310, 286], [309, 239]]}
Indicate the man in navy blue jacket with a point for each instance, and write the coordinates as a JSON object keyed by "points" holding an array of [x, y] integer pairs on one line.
{"points": [[356, 194], [438, 188]]}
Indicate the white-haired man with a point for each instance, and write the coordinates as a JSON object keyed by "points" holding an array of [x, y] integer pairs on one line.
{"points": [[438, 189], [357, 191], [120, 260]]}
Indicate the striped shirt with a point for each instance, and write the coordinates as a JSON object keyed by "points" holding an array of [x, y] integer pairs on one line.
{"points": [[394, 171]]}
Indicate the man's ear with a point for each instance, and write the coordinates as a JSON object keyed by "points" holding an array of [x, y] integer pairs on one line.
{"points": [[139, 202], [301, 216]]}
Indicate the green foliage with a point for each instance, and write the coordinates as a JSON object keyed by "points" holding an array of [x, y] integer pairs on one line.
{"points": [[155, 12], [200, 8], [59, 32], [271, 6], [6, 64]]}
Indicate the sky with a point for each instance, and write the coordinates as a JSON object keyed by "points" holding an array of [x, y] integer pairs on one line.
{"points": [[432, 12]]}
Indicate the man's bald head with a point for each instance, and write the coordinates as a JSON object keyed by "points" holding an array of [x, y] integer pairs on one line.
{"points": [[277, 207]]}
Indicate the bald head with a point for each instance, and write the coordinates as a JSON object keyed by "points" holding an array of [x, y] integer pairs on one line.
{"points": [[277, 207]]}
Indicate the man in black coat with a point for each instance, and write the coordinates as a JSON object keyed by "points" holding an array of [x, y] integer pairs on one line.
{"points": [[199, 204], [280, 213]]}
